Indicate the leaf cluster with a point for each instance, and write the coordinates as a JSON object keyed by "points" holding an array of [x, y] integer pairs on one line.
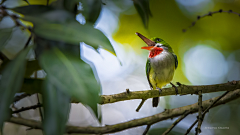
{"points": [[53, 46]]}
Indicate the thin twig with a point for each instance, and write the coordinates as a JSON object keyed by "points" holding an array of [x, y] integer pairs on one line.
{"points": [[40, 111], [17, 98], [200, 119], [206, 110], [210, 14], [146, 130], [190, 128], [140, 105], [28, 41], [27, 108], [176, 122]]}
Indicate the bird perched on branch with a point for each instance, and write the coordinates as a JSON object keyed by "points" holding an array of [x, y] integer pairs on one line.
{"points": [[161, 64]]}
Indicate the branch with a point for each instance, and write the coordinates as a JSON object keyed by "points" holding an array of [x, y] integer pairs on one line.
{"points": [[170, 113], [146, 130], [200, 118], [182, 90], [176, 122], [210, 14], [32, 86], [27, 108], [203, 114]]}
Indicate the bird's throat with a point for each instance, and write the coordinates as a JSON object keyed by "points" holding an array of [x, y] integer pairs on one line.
{"points": [[154, 52]]}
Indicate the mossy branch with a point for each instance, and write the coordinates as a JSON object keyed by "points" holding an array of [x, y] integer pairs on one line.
{"points": [[169, 113]]}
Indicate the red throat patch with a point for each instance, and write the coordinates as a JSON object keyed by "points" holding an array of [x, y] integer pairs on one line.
{"points": [[154, 52]]}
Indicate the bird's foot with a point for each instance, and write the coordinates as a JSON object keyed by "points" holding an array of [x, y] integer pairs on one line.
{"points": [[160, 90], [179, 84], [174, 87]]}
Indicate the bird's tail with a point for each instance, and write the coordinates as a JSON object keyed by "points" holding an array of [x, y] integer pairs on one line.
{"points": [[155, 101]]}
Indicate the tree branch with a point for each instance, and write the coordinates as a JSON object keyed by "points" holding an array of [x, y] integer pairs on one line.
{"points": [[170, 113], [200, 118], [27, 108], [32, 86], [182, 90], [209, 107], [176, 122], [210, 14]]}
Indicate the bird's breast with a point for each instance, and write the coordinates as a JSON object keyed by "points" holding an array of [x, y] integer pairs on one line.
{"points": [[162, 69]]}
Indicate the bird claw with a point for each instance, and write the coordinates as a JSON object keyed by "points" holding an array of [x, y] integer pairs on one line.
{"points": [[176, 89], [160, 90]]}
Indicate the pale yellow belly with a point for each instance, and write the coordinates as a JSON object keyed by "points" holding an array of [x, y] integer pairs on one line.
{"points": [[162, 71]]}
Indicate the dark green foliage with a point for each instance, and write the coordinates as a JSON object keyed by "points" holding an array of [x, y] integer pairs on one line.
{"points": [[5, 35], [56, 109], [91, 14], [143, 9], [10, 83], [72, 76], [56, 35]]}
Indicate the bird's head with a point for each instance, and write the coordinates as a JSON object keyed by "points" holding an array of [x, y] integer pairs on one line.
{"points": [[155, 45]]}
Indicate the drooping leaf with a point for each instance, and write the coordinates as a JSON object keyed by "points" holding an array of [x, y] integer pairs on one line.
{"points": [[32, 9], [142, 6], [32, 66], [91, 9], [56, 109], [70, 32], [10, 83], [71, 5], [72, 76], [5, 35]]}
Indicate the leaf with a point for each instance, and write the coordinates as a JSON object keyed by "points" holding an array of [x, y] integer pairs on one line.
{"points": [[71, 5], [56, 109], [143, 8], [91, 9], [5, 35], [32, 9], [11, 82], [72, 76], [70, 32]]}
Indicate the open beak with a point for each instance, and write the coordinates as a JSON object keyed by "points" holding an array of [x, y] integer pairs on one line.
{"points": [[147, 47], [149, 42]]}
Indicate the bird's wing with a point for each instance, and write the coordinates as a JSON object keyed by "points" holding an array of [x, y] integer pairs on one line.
{"points": [[176, 60], [148, 67]]}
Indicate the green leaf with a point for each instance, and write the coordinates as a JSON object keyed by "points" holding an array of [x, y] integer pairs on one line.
{"points": [[5, 35], [71, 5], [70, 32], [56, 109], [91, 9], [11, 82], [73, 76], [143, 8], [32, 9]]}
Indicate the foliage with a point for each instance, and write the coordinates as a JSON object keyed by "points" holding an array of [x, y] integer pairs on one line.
{"points": [[52, 28]]}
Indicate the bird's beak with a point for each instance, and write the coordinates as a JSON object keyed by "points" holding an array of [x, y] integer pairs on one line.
{"points": [[149, 42], [147, 47]]}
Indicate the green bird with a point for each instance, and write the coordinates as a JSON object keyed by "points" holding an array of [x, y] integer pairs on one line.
{"points": [[161, 64]]}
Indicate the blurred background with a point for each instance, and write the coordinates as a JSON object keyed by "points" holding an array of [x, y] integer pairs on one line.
{"points": [[208, 53]]}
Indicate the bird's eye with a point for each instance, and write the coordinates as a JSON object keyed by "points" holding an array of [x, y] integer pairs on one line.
{"points": [[158, 39], [158, 45]]}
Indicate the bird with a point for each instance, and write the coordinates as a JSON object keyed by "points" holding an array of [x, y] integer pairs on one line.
{"points": [[161, 64]]}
